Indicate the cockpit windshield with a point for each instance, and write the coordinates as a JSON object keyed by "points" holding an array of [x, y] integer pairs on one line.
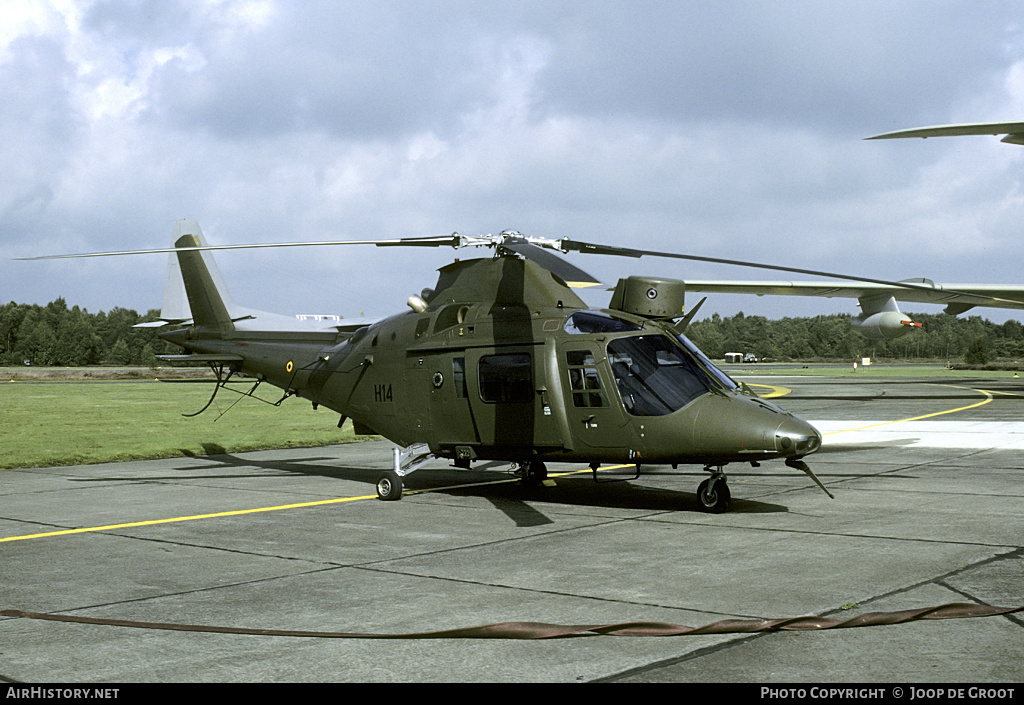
{"points": [[654, 377], [708, 365]]}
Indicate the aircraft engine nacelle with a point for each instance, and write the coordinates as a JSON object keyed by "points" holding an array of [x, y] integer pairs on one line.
{"points": [[884, 325], [881, 319]]}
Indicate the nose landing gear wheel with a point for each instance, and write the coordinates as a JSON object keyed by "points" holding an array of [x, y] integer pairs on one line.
{"points": [[714, 495], [389, 486]]}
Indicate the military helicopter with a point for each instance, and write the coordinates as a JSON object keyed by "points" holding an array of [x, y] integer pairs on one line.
{"points": [[499, 361]]}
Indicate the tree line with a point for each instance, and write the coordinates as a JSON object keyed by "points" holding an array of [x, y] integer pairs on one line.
{"points": [[55, 335], [970, 339]]}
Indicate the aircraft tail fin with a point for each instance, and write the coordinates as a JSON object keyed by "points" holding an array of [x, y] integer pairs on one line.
{"points": [[195, 293], [195, 275]]}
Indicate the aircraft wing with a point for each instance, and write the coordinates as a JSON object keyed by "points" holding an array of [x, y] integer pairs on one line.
{"points": [[1014, 131], [961, 297]]}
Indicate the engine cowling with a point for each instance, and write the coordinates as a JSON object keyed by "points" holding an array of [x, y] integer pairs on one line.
{"points": [[649, 297], [882, 319]]}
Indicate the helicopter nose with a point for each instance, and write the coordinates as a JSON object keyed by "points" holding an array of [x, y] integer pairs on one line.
{"points": [[795, 437]]}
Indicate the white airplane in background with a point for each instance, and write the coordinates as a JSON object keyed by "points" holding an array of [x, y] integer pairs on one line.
{"points": [[880, 316]]}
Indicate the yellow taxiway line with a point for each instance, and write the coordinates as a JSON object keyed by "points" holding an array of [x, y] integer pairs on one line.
{"points": [[775, 391], [276, 508], [194, 517], [988, 398]]}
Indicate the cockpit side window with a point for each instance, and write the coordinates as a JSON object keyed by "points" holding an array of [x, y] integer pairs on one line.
{"points": [[584, 380], [654, 377]]}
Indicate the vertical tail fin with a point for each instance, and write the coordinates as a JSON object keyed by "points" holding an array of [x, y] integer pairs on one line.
{"points": [[207, 296]]}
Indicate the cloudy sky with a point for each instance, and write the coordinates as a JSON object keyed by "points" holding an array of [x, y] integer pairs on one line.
{"points": [[727, 129]]}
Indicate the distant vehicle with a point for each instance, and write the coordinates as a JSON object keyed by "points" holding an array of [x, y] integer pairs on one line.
{"points": [[750, 357]]}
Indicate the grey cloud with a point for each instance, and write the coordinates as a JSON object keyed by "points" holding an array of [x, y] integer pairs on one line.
{"points": [[40, 128], [722, 128], [821, 64], [374, 70]]}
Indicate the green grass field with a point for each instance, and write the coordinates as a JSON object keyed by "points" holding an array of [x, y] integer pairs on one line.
{"points": [[74, 422]]}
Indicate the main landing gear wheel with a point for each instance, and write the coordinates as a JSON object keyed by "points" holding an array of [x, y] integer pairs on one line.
{"points": [[534, 473], [714, 495], [389, 485]]}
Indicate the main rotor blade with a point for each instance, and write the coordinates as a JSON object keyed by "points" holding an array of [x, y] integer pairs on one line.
{"points": [[572, 245], [1011, 129], [569, 273], [430, 241]]}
